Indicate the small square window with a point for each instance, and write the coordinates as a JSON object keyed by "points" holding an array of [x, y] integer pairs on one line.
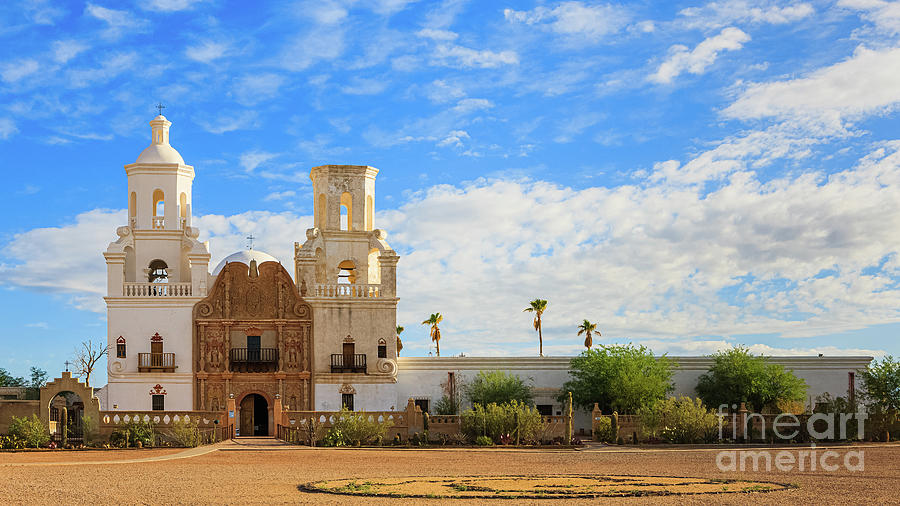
{"points": [[159, 403], [347, 401]]}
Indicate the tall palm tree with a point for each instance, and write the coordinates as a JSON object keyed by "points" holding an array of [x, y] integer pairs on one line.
{"points": [[587, 328], [399, 342], [538, 306], [433, 320]]}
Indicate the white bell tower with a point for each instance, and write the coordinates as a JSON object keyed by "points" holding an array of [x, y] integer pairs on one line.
{"points": [[156, 272]]}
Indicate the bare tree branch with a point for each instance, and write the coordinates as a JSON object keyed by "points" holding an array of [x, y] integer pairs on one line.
{"points": [[86, 358]]}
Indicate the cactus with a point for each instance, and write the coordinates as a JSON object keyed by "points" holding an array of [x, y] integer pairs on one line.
{"points": [[615, 425], [569, 419]]}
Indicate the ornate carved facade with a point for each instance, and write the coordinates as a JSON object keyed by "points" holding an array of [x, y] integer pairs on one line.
{"points": [[253, 335]]}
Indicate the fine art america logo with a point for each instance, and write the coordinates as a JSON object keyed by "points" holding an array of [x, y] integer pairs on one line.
{"points": [[787, 426]]}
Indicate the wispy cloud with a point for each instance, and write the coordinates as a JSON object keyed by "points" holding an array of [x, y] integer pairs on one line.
{"points": [[7, 128], [230, 122], [16, 71], [574, 19], [253, 159], [169, 5], [207, 51], [65, 50], [252, 89], [280, 195], [464, 57], [696, 61], [718, 14], [364, 86], [118, 22]]}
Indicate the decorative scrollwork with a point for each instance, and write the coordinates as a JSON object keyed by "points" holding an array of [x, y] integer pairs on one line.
{"points": [[204, 309], [117, 366], [386, 366], [301, 310]]}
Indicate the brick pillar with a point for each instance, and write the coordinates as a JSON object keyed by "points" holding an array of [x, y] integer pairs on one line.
{"points": [[596, 414]]}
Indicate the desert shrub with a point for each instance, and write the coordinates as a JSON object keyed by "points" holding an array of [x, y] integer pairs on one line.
{"points": [[496, 421], [739, 376], [30, 430], [11, 443], [354, 429], [603, 430], [90, 431], [446, 406], [484, 441], [135, 433], [497, 387], [186, 433], [681, 420]]}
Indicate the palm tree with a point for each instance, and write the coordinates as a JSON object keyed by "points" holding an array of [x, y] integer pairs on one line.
{"points": [[433, 320], [537, 307], [587, 327], [399, 342]]}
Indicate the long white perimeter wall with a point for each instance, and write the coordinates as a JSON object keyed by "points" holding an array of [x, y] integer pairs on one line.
{"points": [[421, 377]]}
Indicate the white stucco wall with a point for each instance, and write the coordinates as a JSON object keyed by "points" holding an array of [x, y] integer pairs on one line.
{"points": [[369, 397]]}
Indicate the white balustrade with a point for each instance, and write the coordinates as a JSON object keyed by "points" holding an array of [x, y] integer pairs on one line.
{"points": [[157, 290], [347, 290]]}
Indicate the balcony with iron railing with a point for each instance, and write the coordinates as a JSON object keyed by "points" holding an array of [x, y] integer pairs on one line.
{"points": [[253, 359], [348, 363], [156, 290], [156, 362]]}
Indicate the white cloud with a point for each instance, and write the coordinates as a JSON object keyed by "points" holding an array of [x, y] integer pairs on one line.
{"points": [[463, 57], [715, 15], [253, 159], [15, 71], [442, 35], [454, 138], [574, 125], [280, 195], [468, 105], [864, 84], [65, 50], [325, 12], [207, 51], [7, 128], [574, 19], [254, 88], [230, 122], [117, 22], [169, 5], [884, 15], [310, 48], [111, 67], [441, 91], [696, 61], [38, 325]]}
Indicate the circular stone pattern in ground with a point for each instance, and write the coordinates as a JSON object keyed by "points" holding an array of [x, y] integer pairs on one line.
{"points": [[537, 487]]}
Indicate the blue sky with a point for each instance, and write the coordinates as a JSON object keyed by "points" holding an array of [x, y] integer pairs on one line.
{"points": [[689, 175]]}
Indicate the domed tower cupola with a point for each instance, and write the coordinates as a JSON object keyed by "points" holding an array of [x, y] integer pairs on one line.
{"points": [[159, 184]]}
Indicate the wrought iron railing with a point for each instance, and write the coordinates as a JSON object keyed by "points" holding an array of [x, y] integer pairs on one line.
{"points": [[348, 363], [254, 355], [156, 361]]}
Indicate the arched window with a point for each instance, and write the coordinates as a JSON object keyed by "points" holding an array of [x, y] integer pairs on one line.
{"points": [[347, 273], [158, 272], [346, 211], [370, 212], [382, 348], [159, 209], [120, 347], [183, 208]]}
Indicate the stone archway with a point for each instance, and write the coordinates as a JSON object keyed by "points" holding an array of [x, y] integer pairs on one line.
{"points": [[68, 384], [256, 416]]}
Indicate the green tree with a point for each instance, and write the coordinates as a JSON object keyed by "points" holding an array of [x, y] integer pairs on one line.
{"points": [[8, 380], [738, 376], [38, 378], [538, 306], [434, 320], [881, 384], [618, 377], [31, 430], [497, 387], [588, 328], [399, 342]]}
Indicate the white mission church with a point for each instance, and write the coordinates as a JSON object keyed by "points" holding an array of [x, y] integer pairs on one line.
{"points": [[249, 333]]}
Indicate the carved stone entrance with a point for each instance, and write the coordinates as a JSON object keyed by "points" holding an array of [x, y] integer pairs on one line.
{"points": [[254, 416]]}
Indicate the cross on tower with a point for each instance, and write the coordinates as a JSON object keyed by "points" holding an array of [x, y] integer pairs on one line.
{"points": [[160, 107], [250, 240], [67, 365]]}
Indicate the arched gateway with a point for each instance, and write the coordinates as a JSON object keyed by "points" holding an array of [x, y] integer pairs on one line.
{"points": [[253, 343]]}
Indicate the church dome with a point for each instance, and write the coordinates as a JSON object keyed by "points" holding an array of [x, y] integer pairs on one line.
{"points": [[160, 153], [244, 257], [159, 150]]}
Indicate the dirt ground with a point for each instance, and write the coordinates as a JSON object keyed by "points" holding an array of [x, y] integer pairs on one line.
{"points": [[264, 471]]}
